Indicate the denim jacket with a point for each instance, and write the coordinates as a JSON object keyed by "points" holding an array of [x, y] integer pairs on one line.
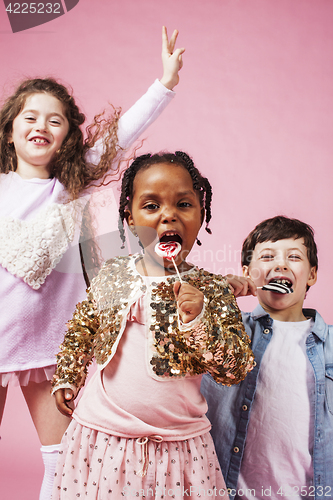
{"points": [[230, 407]]}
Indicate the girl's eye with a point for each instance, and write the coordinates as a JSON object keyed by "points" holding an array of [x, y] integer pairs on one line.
{"points": [[30, 118], [151, 206], [55, 121], [184, 204], [294, 257]]}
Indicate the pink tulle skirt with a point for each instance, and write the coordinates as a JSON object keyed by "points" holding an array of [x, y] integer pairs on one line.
{"points": [[37, 375], [97, 466]]}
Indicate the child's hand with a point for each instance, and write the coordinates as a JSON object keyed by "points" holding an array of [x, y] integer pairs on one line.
{"points": [[172, 60], [62, 398], [241, 286], [189, 301]]}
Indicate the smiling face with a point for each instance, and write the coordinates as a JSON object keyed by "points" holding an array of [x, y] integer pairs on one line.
{"points": [[286, 260], [165, 207], [38, 131]]}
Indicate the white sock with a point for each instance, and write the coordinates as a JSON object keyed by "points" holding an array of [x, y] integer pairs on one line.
{"points": [[50, 458]]}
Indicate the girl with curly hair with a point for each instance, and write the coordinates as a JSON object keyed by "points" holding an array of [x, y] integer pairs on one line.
{"points": [[47, 169]]}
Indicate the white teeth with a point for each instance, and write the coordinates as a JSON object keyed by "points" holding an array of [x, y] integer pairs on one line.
{"points": [[40, 141], [281, 281], [169, 234]]}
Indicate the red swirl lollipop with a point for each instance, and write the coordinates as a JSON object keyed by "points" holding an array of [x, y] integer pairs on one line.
{"points": [[169, 250]]}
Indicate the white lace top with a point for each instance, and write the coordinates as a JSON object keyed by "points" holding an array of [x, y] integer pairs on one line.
{"points": [[31, 249]]}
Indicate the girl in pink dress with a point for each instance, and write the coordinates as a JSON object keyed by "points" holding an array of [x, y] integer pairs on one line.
{"points": [[140, 428], [47, 171]]}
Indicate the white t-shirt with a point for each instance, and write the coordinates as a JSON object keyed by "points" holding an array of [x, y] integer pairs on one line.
{"points": [[277, 458]]}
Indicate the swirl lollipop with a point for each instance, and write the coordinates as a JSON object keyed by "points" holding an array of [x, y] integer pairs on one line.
{"points": [[278, 286], [168, 251]]}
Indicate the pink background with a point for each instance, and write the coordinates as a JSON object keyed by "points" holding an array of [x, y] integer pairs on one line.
{"points": [[254, 108]]}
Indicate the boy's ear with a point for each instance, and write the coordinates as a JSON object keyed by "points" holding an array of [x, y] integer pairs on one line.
{"points": [[312, 277], [246, 272]]}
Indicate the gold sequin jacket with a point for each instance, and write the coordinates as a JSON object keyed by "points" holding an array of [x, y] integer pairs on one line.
{"points": [[215, 342]]}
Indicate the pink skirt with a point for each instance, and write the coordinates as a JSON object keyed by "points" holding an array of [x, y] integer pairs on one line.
{"points": [[24, 377], [97, 466]]}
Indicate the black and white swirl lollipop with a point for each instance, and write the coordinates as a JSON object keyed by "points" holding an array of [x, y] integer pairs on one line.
{"points": [[278, 286]]}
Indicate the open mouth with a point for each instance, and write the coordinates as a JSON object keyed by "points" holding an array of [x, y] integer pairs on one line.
{"points": [[170, 237], [39, 140], [283, 281]]}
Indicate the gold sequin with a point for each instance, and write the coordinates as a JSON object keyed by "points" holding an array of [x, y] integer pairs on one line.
{"points": [[218, 344]]}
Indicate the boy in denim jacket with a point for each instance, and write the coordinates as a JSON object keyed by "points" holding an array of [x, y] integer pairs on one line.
{"points": [[273, 432]]}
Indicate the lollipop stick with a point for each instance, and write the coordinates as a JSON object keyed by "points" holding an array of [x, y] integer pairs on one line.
{"points": [[174, 263]]}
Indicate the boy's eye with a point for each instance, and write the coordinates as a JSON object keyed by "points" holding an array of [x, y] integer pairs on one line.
{"points": [[266, 257], [295, 257]]}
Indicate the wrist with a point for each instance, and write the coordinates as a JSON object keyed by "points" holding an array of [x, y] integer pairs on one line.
{"points": [[184, 327], [169, 82]]}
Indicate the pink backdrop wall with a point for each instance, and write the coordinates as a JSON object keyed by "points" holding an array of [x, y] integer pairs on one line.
{"points": [[254, 108]]}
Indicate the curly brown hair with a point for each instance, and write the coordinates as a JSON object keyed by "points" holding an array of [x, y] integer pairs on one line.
{"points": [[69, 165]]}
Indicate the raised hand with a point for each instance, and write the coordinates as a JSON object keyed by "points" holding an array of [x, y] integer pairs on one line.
{"points": [[172, 59]]}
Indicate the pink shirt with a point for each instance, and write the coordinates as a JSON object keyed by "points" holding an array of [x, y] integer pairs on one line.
{"points": [[124, 400]]}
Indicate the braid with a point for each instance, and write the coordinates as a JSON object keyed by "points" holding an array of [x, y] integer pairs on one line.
{"points": [[200, 183], [127, 191]]}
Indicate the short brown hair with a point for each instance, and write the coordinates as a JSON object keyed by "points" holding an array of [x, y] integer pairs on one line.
{"points": [[280, 228]]}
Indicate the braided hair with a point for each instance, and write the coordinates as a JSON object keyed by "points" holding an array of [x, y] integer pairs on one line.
{"points": [[200, 183]]}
